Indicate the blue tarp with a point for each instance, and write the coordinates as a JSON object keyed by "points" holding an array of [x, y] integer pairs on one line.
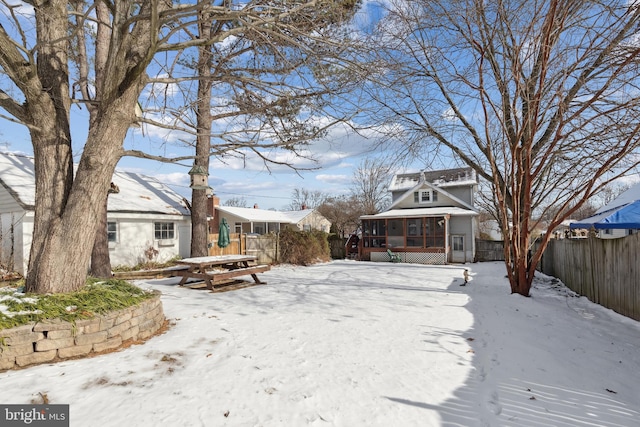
{"points": [[623, 217]]}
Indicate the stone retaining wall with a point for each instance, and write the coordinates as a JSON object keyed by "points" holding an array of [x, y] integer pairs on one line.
{"points": [[44, 342]]}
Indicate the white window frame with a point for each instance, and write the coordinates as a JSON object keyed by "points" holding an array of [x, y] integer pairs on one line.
{"points": [[457, 240], [422, 197], [167, 230], [113, 232]]}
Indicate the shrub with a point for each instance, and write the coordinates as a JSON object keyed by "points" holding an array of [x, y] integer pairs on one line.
{"points": [[304, 247]]}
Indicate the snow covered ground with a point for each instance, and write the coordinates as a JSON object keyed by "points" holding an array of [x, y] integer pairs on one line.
{"points": [[360, 344]]}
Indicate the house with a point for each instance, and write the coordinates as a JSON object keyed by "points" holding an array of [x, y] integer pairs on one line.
{"points": [[145, 219], [261, 221], [432, 219], [618, 218]]}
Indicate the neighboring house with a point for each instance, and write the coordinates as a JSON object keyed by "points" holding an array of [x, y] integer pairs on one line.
{"points": [[145, 219], [431, 220], [618, 218], [261, 221]]}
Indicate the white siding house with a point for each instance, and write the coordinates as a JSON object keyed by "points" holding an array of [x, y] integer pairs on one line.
{"points": [[260, 221], [145, 219]]}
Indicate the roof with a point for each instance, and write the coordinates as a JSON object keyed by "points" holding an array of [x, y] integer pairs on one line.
{"points": [[439, 178], [262, 215], [621, 217], [142, 193], [17, 176], [629, 196], [409, 193], [421, 212], [138, 193], [623, 212]]}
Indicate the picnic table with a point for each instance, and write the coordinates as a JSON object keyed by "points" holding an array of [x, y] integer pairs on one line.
{"points": [[218, 268]]}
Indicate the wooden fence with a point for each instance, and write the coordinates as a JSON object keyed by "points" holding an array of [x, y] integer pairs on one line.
{"points": [[237, 245], [489, 250], [264, 247], [603, 270]]}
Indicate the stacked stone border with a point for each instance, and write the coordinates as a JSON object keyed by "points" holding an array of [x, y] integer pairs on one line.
{"points": [[51, 341]]}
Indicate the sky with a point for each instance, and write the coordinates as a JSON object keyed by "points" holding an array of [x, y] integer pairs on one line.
{"points": [[337, 156], [270, 187], [351, 343]]}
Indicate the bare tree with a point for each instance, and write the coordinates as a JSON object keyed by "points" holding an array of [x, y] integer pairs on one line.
{"points": [[238, 202], [609, 193], [343, 212], [539, 97], [126, 37], [306, 199], [267, 90], [369, 186]]}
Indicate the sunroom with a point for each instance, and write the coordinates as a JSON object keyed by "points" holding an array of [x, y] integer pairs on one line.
{"points": [[424, 236]]}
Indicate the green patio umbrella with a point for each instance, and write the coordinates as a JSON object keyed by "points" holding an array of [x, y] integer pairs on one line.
{"points": [[223, 236]]}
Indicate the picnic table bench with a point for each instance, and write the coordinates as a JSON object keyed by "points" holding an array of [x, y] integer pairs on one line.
{"points": [[219, 268]]}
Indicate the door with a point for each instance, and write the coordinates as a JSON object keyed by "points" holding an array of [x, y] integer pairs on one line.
{"points": [[184, 240], [457, 249]]}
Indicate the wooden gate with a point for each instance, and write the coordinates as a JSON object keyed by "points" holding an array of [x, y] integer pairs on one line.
{"points": [[237, 245]]}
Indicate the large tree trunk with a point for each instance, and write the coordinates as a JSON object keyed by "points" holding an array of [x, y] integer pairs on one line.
{"points": [[68, 210], [60, 260], [100, 259], [51, 138], [199, 228]]}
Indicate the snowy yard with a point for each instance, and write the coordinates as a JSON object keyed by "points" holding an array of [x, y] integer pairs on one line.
{"points": [[360, 344]]}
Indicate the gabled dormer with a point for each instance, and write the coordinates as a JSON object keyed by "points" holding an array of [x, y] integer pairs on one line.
{"points": [[449, 187]]}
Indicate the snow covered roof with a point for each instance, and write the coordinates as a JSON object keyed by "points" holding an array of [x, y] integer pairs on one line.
{"points": [[621, 217], [141, 193], [420, 212], [439, 178], [138, 193], [262, 215], [17, 175], [626, 197], [623, 212]]}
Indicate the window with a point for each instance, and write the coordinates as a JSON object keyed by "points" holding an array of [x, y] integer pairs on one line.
{"points": [[395, 233], [112, 231], [415, 232], [457, 243], [425, 196], [164, 230], [374, 233], [434, 232]]}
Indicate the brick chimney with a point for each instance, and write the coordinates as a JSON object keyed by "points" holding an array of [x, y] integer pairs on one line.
{"points": [[255, 206], [212, 217], [303, 207]]}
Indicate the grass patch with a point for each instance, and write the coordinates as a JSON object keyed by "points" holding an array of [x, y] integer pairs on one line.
{"points": [[147, 265], [97, 297]]}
